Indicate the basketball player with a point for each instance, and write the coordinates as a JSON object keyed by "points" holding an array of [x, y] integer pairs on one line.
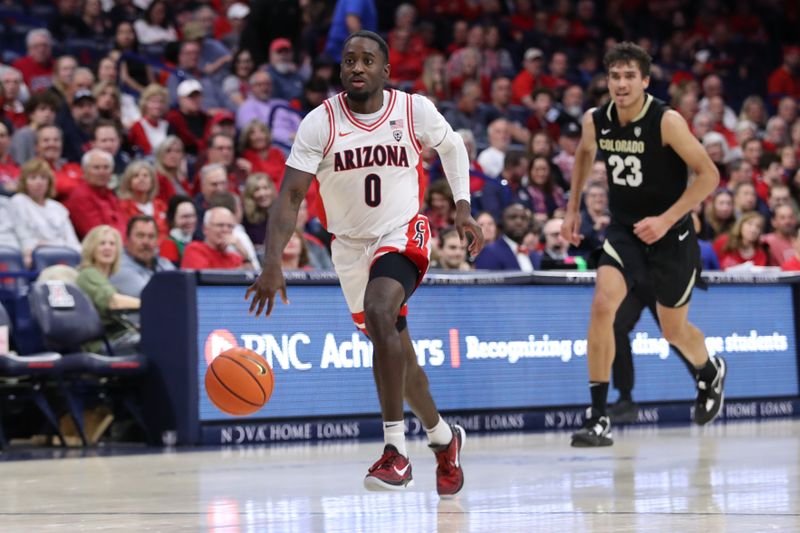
{"points": [[363, 146], [647, 148]]}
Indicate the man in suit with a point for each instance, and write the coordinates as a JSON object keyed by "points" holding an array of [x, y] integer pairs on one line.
{"points": [[508, 252]]}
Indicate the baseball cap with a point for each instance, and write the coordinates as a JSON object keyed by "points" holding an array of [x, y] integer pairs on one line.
{"points": [[570, 129], [238, 11], [533, 53], [222, 116], [279, 44], [82, 94], [189, 87]]}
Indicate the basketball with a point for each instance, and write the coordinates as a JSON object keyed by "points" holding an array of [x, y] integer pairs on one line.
{"points": [[239, 381]]}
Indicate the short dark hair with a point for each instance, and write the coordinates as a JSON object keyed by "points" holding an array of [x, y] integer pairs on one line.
{"points": [[172, 206], [373, 36], [628, 52], [44, 99], [147, 219], [514, 158], [105, 123], [223, 199]]}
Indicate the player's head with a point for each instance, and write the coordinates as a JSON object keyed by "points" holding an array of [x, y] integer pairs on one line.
{"points": [[365, 64], [628, 67]]}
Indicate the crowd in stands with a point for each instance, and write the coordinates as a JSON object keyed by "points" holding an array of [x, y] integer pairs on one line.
{"points": [[153, 135]]}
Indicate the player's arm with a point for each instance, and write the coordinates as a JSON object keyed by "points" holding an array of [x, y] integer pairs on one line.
{"points": [[675, 133], [282, 222], [584, 159]]}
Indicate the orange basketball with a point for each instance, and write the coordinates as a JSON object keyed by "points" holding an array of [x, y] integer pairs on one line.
{"points": [[239, 381]]}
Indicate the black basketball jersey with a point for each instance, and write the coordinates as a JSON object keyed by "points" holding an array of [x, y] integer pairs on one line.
{"points": [[644, 177]]}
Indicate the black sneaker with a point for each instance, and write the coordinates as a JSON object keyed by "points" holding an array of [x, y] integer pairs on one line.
{"points": [[596, 431], [623, 412], [710, 396]]}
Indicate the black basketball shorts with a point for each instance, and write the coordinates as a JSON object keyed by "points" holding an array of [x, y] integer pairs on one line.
{"points": [[671, 264]]}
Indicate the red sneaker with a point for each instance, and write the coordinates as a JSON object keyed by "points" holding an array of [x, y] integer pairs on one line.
{"points": [[391, 472], [449, 475]]}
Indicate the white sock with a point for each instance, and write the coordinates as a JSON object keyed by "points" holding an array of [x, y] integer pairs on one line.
{"points": [[394, 433], [440, 434]]}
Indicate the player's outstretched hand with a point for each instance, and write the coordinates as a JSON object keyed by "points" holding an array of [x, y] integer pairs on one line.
{"points": [[570, 229], [268, 283], [466, 225], [651, 229]]}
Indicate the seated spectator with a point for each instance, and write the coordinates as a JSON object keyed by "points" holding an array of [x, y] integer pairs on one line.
{"points": [[109, 103], [78, 124], [258, 104], [509, 187], [433, 82], [107, 138], [100, 259], [137, 196], [13, 106], [451, 253], [140, 259], [718, 217], [8, 237], [240, 242], [529, 78], [488, 226], [708, 257], [287, 84], [780, 241], [407, 58], [221, 151], [595, 219], [508, 252], [546, 196], [785, 80], [237, 84], [255, 145], [182, 218], [155, 27], [149, 132], [37, 65], [134, 74], [295, 254], [214, 56], [543, 116], [793, 263], [218, 226], [491, 158], [568, 138], [466, 113], [258, 196], [94, 19], [237, 18], [63, 76], [9, 171], [555, 255], [213, 178], [41, 110], [743, 243], [171, 169], [38, 219], [92, 203], [440, 206], [189, 69], [189, 119], [541, 145], [717, 149], [745, 199], [48, 147], [500, 107]]}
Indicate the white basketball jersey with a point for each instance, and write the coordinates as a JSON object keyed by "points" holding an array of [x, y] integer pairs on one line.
{"points": [[369, 183]]}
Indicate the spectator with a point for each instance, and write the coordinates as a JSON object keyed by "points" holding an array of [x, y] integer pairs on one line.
{"points": [[595, 219], [237, 17], [189, 120], [213, 178], [787, 109], [508, 251], [155, 27], [236, 85], [488, 226], [78, 125], [785, 80], [744, 199], [218, 225], [708, 257], [528, 79], [240, 242], [100, 259], [137, 196], [107, 138], [451, 253], [13, 108], [258, 196], [140, 260], [780, 242], [38, 219], [468, 62], [134, 74], [500, 107], [8, 236], [97, 25], [440, 206], [432, 81], [287, 84], [9, 170], [406, 58], [712, 88], [189, 69], [509, 187], [776, 134], [255, 145], [491, 158], [568, 138], [109, 104], [295, 254], [48, 147], [37, 66], [214, 56], [743, 243], [719, 216], [717, 148], [315, 91], [544, 114], [92, 203], [542, 145], [546, 196], [150, 131], [793, 263], [753, 109], [258, 104], [466, 113], [555, 255], [221, 151], [349, 16], [171, 169], [182, 219]]}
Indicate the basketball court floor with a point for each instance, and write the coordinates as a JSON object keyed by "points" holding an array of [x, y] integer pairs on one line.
{"points": [[728, 477]]}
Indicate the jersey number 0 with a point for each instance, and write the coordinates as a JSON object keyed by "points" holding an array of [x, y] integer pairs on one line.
{"points": [[372, 190], [631, 163]]}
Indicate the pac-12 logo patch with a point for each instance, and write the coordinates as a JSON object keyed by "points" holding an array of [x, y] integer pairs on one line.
{"points": [[398, 134]]}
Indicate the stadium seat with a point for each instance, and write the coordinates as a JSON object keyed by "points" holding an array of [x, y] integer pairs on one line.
{"points": [[68, 321], [45, 256], [10, 261], [26, 376]]}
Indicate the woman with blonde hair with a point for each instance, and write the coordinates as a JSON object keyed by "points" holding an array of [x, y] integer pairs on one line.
{"points": [[259, 194], [137, 192], [172, 169], [255, 145], [743, 243], [433, 80], [149, 132], [100, 259], [40, 220], [109, 102], [718, 215]]}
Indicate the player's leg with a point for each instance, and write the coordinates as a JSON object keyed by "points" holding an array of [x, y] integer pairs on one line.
{"points": [[610, 290], [628, 314], [709, 371], [651, 304]]}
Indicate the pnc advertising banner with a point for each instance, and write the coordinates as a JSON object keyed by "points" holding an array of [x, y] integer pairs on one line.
{"points": [[491, 347]]}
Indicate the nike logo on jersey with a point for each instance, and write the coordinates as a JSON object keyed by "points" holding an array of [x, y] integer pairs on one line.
{"points": [[604, 131], [683, 235], [402, 471], [344, 133]]}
